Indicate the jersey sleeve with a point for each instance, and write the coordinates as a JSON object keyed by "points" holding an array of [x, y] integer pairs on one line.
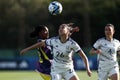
{"points": [[96, 44], [118, 49], [76, 47], [48, 42]]}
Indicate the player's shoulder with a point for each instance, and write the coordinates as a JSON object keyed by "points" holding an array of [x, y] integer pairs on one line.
{"points": [[116, 40], [72, 41], [55, 37], [101, 39], [39, 40]]}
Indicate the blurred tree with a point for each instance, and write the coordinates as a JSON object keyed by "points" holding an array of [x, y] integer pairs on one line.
{"points": [[86, 18], [103, 12], [18, 17]]}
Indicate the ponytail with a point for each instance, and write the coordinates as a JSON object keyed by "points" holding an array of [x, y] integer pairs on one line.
{"points": [[72, 29]]}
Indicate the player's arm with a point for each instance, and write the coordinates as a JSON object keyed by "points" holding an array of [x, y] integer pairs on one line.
{"points": [[85, 59], [118, 52], [34, 46], [94, 51]]}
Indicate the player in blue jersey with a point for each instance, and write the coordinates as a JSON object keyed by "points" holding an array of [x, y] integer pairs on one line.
{"points": [[45, 56], [63, 48], [107, 48]]}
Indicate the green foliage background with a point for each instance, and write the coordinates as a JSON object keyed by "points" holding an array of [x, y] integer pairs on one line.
{"points": [[19, 17]]}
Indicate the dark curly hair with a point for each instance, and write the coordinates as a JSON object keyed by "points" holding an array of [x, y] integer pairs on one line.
{"points": [[37, 29]]}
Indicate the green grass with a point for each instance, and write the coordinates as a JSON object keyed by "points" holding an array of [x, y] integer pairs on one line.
{"points": [[32, 75], [19, 75], [83, 75]]}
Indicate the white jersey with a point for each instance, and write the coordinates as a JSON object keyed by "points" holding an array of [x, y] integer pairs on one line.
{"points": [[109, 49], [107, 59], [62, 52]]}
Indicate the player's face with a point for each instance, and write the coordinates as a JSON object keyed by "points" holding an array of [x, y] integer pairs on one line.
{"points": [[63, 30], [109, 31], [44, 34]]}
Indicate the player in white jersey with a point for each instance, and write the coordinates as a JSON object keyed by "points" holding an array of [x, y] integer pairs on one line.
{"points": [[63, 48], [107, 49]]}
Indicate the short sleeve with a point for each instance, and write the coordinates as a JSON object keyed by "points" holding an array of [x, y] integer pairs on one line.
{"points": [[96, 44], [76, 47], [48, 42], [118, 46]]}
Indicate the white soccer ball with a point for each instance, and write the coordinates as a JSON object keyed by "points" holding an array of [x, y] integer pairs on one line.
{"points": [[55, 7]]}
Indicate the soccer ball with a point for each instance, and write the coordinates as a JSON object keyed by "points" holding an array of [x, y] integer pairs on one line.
{"points": [[55, 8]]}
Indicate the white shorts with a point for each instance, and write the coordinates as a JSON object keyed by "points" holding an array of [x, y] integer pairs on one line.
{"points": [[62, 74], [106, 71]]}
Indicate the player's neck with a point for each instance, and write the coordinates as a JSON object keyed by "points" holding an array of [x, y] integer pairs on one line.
{"points": [[109, 38], [63, 39]]}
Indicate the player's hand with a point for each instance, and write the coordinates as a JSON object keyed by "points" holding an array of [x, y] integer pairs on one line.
{"points": [[98, 51], [89, 73], [23, 51]]}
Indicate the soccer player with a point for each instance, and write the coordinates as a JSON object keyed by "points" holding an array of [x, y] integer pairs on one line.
{"points": [[107, 49], [63, 47], [45, 56]]}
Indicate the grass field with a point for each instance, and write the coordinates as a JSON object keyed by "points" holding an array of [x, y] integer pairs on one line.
{"points": [[32, 75]]}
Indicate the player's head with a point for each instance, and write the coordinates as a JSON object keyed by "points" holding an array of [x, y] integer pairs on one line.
{"points": [[63, 30], [67, 29], [109, 30], [40, 31]]}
